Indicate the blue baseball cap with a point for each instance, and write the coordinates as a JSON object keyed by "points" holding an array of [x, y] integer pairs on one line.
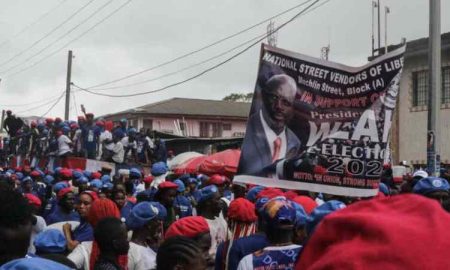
{"points": [[279, 212], [118, 133], [259, 205], [48, 179], [384, 189], [181, 186], [83, 180], [60, 185], [141, 214], [77, 174], [105, 179], [159, 168], [135, 173], [300, 215], [431, 184], [87, 173], [162, 211], [35, 263], [50, 241], [27, 179], [207, 193], [253, 192], [108, 186], [97, 183], [320, 212], [19, 175]]}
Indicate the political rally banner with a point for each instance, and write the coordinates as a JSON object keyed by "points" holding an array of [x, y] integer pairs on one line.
{"points": [[320, 126]]}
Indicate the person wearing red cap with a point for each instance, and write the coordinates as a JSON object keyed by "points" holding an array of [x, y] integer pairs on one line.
{"points": [[306, 202], [242, 223], [195, 228], [399, 232], [65, 209], [86, 253], [167, 191], [180, 253], [38, 223]]}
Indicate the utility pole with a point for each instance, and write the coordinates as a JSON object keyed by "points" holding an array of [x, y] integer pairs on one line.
{"points": [[272, 35], [374, 5], [386, 12], [379, 33], [434, 87], [68, 81]]}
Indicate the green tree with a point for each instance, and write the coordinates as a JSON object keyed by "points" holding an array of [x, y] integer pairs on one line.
{"points": [[239, 97]]}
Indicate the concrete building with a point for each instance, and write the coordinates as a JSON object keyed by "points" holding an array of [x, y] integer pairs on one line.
{"points": [[189, 117], [409, 130]]}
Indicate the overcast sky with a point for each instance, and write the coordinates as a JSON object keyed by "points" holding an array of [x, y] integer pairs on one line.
{"points": [[145, 33]]}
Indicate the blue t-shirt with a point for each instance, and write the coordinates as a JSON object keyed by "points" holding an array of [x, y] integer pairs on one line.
{"points": [[239, 249], [183, 205], [90, 136], [126, 209], [272, 257], [58, 216], [84, 232]]}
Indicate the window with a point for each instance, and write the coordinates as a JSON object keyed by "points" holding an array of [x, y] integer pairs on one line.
{"points": [[217, 130], [148, 124], [420, 88], [227, 126], [204, 129], [446, 85]]}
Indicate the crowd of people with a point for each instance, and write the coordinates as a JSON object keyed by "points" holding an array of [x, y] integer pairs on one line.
{"points": [[49, 143], [101, 220]]}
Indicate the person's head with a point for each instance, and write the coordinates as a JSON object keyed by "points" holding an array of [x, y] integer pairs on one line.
{"points": [[279, 216], [100, 209], [434, 188], [241, 218], [195, 228], [219, 181], [111, 237], [50, 241], [123, 122], [396, 229], [15, 225], [66, 199], [85, 202], [34, 202], [320, 212], [145, 223], [278, 98], [27, 184], [209, 202], [8, 113], [119, 196], [167, 191], [180, 253]]}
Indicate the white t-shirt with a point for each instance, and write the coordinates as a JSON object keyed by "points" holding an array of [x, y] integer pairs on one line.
{"points": [[63, 145], [148, 257], [119, 152], [37, 228], [218, 230], [80, 256], [247, 262]]}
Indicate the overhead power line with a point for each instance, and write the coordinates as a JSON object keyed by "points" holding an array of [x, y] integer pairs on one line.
{"points": [[54, 104], [25, 104], [72, 40], [47, 34], [60, 37], [40, 18], [40, 105], [208, 69], [202, 48]]}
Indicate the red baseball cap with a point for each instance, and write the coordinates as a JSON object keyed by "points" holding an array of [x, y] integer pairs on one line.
{"points": [[306, 202], [242, 210], [189, 227], [63, 192], [399, 232], [148, 179], [33, 199], [167, 185], [96, 175]]}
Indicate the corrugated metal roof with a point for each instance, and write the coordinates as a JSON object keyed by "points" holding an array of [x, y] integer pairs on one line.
{"points": [[187, 106]]}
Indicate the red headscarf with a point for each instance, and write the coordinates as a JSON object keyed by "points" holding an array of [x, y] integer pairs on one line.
{"points": [[101, 209]]}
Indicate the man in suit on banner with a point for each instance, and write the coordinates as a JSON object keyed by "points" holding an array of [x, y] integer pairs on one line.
{"points": [[267, 137]]}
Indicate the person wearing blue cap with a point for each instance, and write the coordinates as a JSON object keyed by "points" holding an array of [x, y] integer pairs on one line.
{"points": [[210, 207], [147, 230], [279, 215], [159, 171], [160, 150], [300, 222], [34, 264], [434, 188], [51, 244], [182, 205], [142, 148], [95, 185], [320, 212]]}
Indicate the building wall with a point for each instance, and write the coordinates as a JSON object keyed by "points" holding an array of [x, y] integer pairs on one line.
{"points": [[168, 125], [412, 121]]}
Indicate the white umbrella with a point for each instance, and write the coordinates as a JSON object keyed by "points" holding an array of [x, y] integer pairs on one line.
{"points": [[181, 158]]}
